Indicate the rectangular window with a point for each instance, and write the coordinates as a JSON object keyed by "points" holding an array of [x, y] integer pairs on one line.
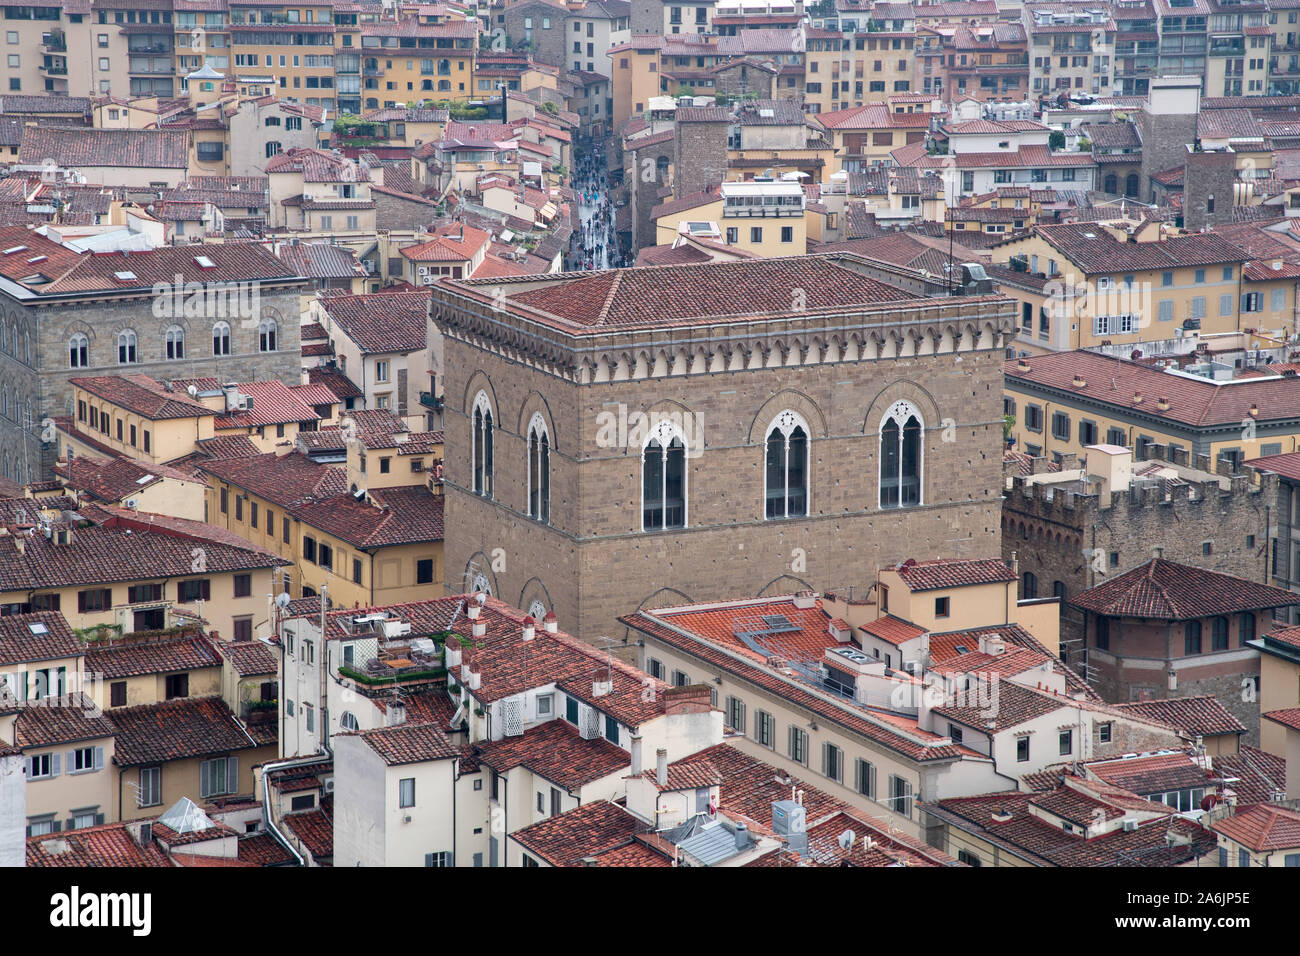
{"points": [[736, 714], [1022, 749], [197, 589], [1034, 417], [799, 746], [218, 777], [406, 792], [1066, 741], [900, 796], [833, 762], [1061, 426], [117, 694], [1103, 733], [150, 786], [865, 779], [97, 599], [765, 726], [243, 585], [941, 607], [177, 685]]}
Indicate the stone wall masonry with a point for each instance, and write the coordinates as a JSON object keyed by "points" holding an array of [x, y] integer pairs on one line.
{"points": [[592, 563], [44, 383]]}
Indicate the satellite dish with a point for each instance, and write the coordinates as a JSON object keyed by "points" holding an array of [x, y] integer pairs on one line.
{"points": [[193, 390], [846, 839], [282, 599]]}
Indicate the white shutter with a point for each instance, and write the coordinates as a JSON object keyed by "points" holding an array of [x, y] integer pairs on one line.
{"points": [[55, 760], [205, 773], [99, 758], [232, 775], [513, 712]]}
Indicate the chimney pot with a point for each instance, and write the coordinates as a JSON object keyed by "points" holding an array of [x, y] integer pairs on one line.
{"points": [[661, 767], [551, 624], [528, 630], [636, 756]]}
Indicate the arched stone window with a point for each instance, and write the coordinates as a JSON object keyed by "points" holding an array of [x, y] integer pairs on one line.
{"points": [[175, 338], [900, 456], [78, 351], [267, 335], [663, 478], [786, 466], [221, 338], [481, 446], [539, 470], [126, 351]]}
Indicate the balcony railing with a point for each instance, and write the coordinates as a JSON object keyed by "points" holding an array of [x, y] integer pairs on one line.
{"points": [[428, 400]]}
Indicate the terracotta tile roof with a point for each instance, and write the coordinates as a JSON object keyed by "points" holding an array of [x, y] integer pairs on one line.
{"points": [[633, 853], [1262, 828], [706, 641], [949, 573], [1153, 774], [73, 147], [283, 479], [409, 743], [1095, 250], [225, 447], [123, 549], [1016, 704], [38, 636], [78, 105], [689, 294], [686, 776], [132, 659], [892, 629], [1201, 716], [274, 403], [249, 658], [556, 752], [335, 381], [176, 730], [143, 395], [317, 166], [1047, 844], [61, 720], [588, 830], [450, 244], [407, 514], [748, 787], [106, 845], [1288, 717], [1164, 590], [1193, 401], [383, 322], [315, 828], [1253, 775], [114, 479], [320, 260]]}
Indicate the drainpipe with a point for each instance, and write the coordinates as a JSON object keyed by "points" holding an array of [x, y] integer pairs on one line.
{"points": [[324, 672], [266, 802]]}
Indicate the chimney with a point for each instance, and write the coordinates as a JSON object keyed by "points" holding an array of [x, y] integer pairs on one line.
{"points": [[691, 699], [396, 714], [661, 767], [20, 543], [1162, 403], [473, 608], [742, 836], [529, 629], [805, 599], [1079, 381], [549, 622], [1137, 398], [600, 688], [636, 756], [479, 629]]}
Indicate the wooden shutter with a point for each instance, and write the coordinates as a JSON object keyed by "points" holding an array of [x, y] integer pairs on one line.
{"points": [[205, 775], [232, 775], [205, 587], [99, 758], [54, 765]]}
